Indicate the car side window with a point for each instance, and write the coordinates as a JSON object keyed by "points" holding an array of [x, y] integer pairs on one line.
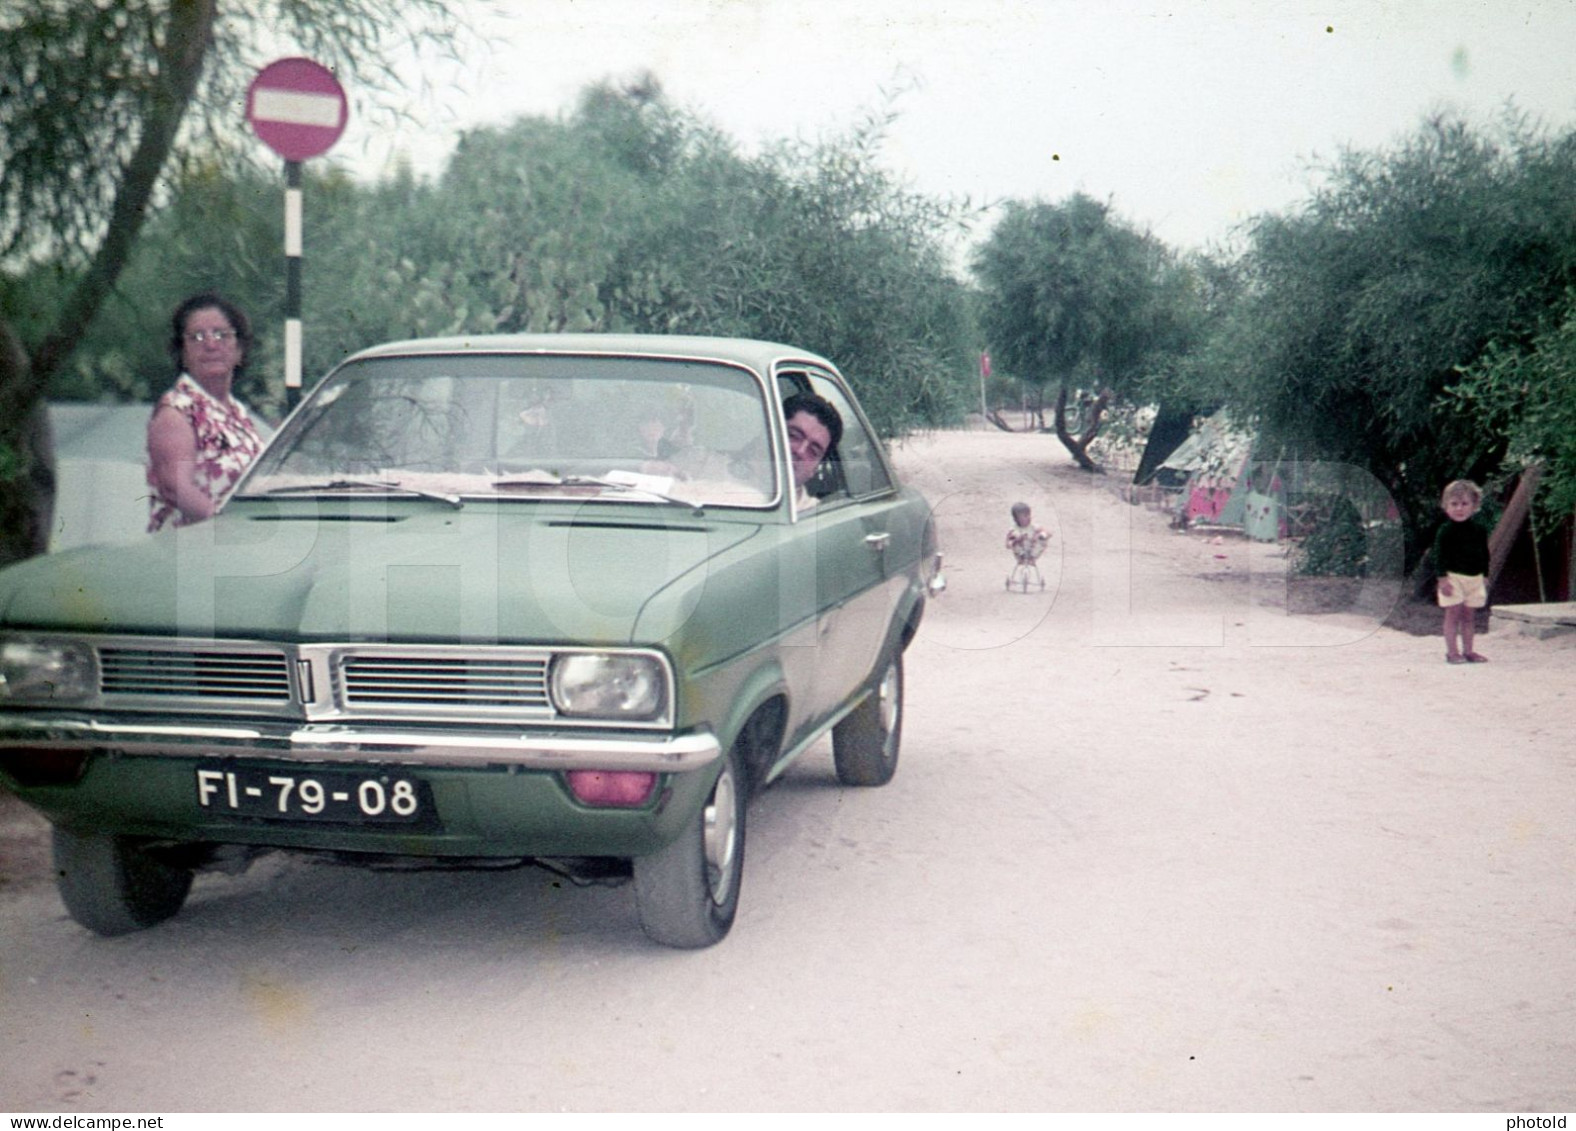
{"points": [[855, 466]]}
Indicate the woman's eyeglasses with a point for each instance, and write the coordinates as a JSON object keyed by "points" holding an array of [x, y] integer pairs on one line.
{"points": [[198, 337]]}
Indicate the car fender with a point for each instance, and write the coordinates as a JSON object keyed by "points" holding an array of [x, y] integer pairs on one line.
{"points": [[906, 621], [759, 688]]}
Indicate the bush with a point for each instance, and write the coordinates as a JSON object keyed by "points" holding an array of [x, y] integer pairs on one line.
{"points": [[1337, 546]]}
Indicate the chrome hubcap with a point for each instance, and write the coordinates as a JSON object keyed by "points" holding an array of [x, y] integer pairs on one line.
{"points": [[891, 705], [720, 837]]}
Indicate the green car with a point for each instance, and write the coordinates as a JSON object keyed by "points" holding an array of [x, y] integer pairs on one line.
{"points": [[558, 599]]}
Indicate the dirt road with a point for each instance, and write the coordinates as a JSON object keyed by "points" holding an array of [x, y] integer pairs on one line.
{"points": [[1153, 845]]}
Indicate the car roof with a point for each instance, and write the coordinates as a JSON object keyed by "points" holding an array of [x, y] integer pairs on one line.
{"points": [[757, 355]]}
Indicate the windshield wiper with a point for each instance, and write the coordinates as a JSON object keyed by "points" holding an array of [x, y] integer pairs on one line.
{"points": [[619, 485], [366, 484], [551, 479]]}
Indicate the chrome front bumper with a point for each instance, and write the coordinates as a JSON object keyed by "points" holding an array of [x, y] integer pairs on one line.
{"points": [[381, 745]]}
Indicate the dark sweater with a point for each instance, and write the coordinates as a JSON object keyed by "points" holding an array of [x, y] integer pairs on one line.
{"points": [[1461, 547]]}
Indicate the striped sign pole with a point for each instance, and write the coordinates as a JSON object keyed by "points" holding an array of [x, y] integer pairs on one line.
{"points": [[292, 282], [299, 110]]}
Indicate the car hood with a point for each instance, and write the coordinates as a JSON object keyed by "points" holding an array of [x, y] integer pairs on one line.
{"points": [[481, 574]]}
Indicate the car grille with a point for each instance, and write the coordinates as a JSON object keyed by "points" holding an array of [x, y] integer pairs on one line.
{"points": [[371, 680], [253, 677]]}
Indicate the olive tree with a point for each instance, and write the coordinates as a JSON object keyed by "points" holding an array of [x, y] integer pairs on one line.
{"points": [[1527, 394], [1360, 308], [630, 214], [812, 243], [1076, 298]]}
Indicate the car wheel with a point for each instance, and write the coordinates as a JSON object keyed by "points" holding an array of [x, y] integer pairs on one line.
{"points": [[111, 886], [688, 893], [865, 743]]}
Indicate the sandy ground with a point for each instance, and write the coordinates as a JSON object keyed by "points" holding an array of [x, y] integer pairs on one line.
{"points": [[1155, 845]]}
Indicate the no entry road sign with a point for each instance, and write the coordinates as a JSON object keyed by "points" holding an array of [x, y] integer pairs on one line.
{"points": [[297, 107]]}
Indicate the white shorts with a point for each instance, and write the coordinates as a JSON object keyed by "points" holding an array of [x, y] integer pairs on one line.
{"points": [[1467, 588]]}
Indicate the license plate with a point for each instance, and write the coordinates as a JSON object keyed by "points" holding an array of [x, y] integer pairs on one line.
{"points": [[373, 797]]}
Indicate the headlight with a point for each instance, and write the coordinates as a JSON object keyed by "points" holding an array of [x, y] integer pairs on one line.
{"points": [[610, 686], [46, 671]]}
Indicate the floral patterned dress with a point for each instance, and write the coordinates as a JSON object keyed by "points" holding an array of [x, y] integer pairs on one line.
{"points": [[227, 443]]}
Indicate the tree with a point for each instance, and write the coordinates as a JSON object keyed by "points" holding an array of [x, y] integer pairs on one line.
{"points": [[632, 214], [1361, 307], [1528, 395], [1076, 297], [96, 102], [809, 243], [537, 212]]}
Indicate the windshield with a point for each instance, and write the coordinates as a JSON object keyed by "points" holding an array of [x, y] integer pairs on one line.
{"points": [[523, 426]]}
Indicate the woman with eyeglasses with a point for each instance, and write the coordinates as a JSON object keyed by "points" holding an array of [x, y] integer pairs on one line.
{"points": [[200, 438]]}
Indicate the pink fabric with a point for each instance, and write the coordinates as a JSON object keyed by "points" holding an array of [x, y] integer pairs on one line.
{"points": [[1207, 498], [227, 443]]}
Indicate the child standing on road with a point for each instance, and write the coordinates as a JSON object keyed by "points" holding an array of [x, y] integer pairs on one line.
{"points": [[1461, 560]]}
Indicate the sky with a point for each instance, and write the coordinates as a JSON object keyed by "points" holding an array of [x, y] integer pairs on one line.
{"points": [[1189, 117]]}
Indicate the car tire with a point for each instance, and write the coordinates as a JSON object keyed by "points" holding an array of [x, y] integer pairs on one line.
{"points": [[113, 887], [865, 744], [687, 893]]}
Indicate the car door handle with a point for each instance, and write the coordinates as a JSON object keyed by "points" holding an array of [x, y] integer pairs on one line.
{"points": [[878, 542]]}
